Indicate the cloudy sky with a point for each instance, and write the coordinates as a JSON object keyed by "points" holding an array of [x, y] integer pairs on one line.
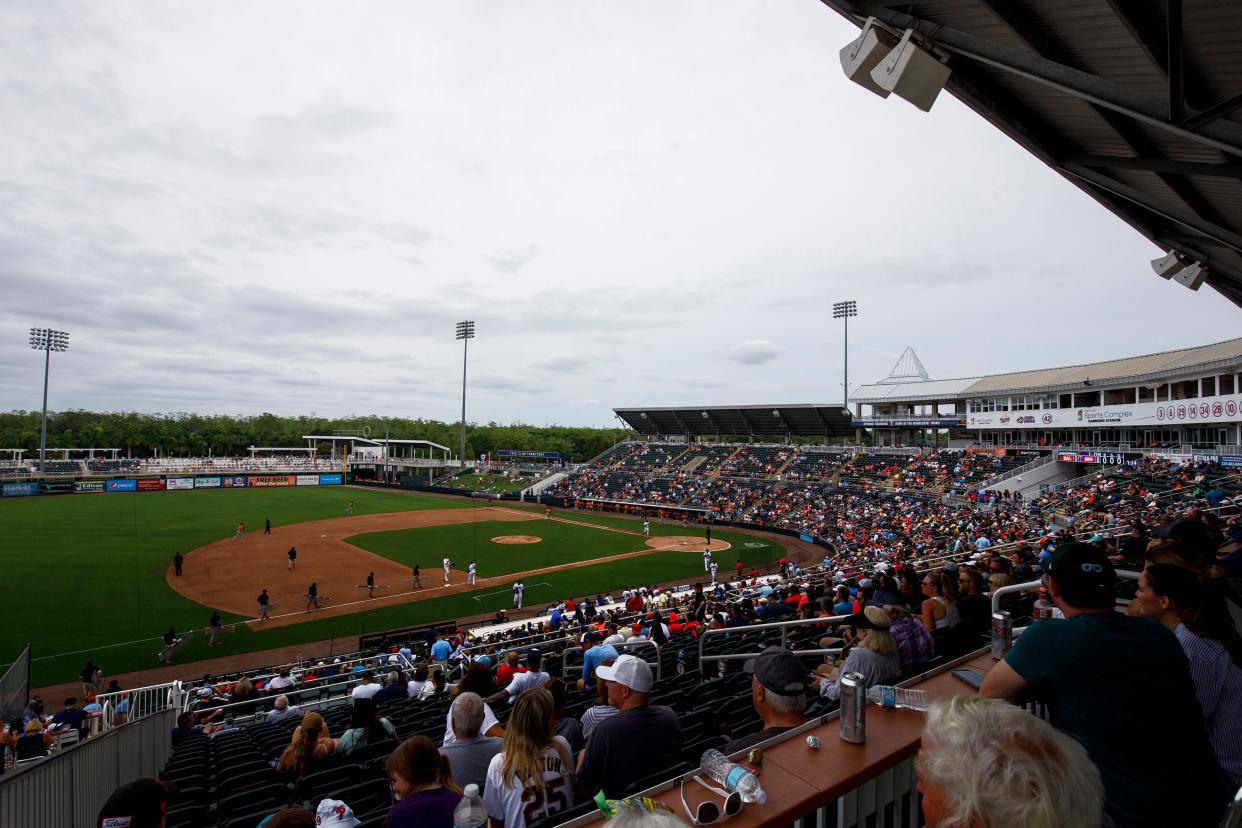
{"points": [[285, 207]]}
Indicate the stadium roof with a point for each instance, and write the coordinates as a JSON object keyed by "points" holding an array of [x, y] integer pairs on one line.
{"points": [[1220, 355], [757, 420], [1139, 109]]}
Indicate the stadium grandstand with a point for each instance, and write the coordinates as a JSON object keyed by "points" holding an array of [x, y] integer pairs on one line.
{"points": [[1041, 567]]}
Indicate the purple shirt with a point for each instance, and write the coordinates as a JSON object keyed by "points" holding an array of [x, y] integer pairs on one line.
{"points": [[914, 642], [426, 809]]}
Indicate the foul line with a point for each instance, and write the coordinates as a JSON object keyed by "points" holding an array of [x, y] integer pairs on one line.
{"points": [[505, 591], [596, 526]]}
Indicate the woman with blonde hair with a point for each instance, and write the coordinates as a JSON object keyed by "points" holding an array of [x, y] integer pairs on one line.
{"points": [[940, 610], [310, 742], [873, 654], [532, 777]]}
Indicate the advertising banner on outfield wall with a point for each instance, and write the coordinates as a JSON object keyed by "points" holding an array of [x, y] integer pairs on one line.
{"points": [[269, 481], [1231, 461], [56, 488], [206, 482], [20, 489], [156, 485], [330, 479], [308, 480], [88, 486], [173, 483], [237, 481], [121, 486]]}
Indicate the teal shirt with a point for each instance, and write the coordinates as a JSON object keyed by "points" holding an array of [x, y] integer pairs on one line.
{"points": [[1121, 686]]}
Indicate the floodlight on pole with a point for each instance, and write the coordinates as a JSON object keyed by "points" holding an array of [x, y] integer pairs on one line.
{"points": [[46, 340], [465, 333], [844, 310]]}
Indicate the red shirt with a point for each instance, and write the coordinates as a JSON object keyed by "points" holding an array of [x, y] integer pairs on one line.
{"points": [[505, 673]]}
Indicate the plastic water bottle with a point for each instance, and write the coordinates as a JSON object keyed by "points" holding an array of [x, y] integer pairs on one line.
{"points": [[888, 696], [733, 776], [1043, 609], [470, 812]]}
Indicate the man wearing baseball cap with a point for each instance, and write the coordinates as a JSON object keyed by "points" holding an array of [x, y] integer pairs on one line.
{"points": [[639, 740], [594, 653], [778, 682], [1122, 688], [140, 804]]}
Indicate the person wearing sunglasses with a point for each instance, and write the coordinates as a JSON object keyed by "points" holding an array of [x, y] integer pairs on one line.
{"points": [[778, 682], [1111, 681]]}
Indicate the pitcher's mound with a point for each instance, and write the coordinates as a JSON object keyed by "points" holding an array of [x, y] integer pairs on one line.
{"points": [[687, 543], [516, 539]]}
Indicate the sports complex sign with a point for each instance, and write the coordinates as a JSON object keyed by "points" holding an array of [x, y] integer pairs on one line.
{"points": [[1176, 412]]}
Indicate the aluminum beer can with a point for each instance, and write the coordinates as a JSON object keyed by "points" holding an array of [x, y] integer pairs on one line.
{"points": [[1002, 634], [853, 708]]}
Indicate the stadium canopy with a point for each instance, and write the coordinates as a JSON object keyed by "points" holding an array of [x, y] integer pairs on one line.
{"points": [[738, 420], [1137, 103]]}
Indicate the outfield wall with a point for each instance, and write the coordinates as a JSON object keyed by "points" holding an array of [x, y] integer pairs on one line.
{"points": [[169, 483]]}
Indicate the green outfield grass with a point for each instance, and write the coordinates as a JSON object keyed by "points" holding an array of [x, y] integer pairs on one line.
{"points": [[86, 572]]}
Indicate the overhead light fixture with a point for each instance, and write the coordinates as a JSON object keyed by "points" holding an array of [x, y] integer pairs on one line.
{"points": [[860, 56], [1181, 270], [913, 72]]}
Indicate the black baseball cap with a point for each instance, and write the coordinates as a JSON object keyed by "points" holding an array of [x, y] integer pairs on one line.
{"points": [[778, 670], [1193, 533], [140, 804], [1082, 569]]}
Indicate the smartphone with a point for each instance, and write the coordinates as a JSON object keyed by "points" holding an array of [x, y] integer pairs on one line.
{"points": [[970, 675]]}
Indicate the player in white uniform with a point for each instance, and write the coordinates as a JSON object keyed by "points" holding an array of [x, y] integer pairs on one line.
{"points": [[518, 589], [472, 574], [715, 567], [646, 529], [447, 566], [707, 560]]}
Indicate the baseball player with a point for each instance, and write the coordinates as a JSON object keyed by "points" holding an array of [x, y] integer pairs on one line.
{"points": [[646, 529], [447, 566], [518, 589], [240, 534], [349, 508], [714, 569], [370, 584], [312, 596], [708, 534], [264, 601], [707, 560], [414, 576], [472, 573], [547, 513]]}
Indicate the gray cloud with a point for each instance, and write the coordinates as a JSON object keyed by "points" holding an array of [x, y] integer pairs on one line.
{"points": [[754, 352], [512, 261]]}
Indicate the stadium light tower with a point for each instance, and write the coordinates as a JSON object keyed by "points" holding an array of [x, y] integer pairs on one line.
{"points": [[844, 310], [46, 340], [465, 332]]}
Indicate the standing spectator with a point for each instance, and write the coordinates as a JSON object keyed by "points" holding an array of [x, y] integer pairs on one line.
{"points": [[469, 753], [423, 786], [1102, 672], [533, 776], [640, 735], [987, 763], [1195, 610]]}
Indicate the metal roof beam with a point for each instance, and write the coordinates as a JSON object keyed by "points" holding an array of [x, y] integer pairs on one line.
{"points": [[1194, 222], [1158, 165], [1216, 111], [1223, 135]]}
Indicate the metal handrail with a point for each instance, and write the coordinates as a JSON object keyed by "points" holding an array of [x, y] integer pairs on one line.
{"points": [[783, 626], [1031, 586], [659, 663]]}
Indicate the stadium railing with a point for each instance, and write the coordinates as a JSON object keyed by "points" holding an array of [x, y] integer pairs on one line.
{"points": [[629, 650], [783, 626]]}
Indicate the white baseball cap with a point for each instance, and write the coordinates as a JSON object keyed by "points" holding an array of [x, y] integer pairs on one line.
{"points": [[630, 671], [335, 812]]}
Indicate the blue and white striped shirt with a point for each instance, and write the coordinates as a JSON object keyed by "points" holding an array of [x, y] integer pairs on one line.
{"points": [[1218, 686]]}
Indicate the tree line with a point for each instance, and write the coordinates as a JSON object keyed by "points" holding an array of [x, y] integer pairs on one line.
{"points": [[198, 435]]}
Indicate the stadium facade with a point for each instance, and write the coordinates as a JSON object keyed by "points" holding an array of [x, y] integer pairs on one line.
{"points": [[1191, 396]]}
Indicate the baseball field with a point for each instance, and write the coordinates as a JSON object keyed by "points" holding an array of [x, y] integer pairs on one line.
{"points": [[91, 576]]}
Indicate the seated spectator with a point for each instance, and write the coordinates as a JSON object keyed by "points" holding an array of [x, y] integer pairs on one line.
{"points": [[469, 752], [435, 687], [71, 716], [186, 728], [873, 654], [244, 692], [1101, 674], [34, 741], [478, 680], [986, 763], [914, 643], [139, 804], [281, 710], [532, 678], [512, 666], [778, 683], [592, 716], [415, 687], [281, 682], [310, 741], [422, 783], [640, 735], [973, 607], [368, 688], [395, 687], [365, 727], [940, 609], [533, 777], [295, 816], [8, 741], [567, 727], [1195, 610]]}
